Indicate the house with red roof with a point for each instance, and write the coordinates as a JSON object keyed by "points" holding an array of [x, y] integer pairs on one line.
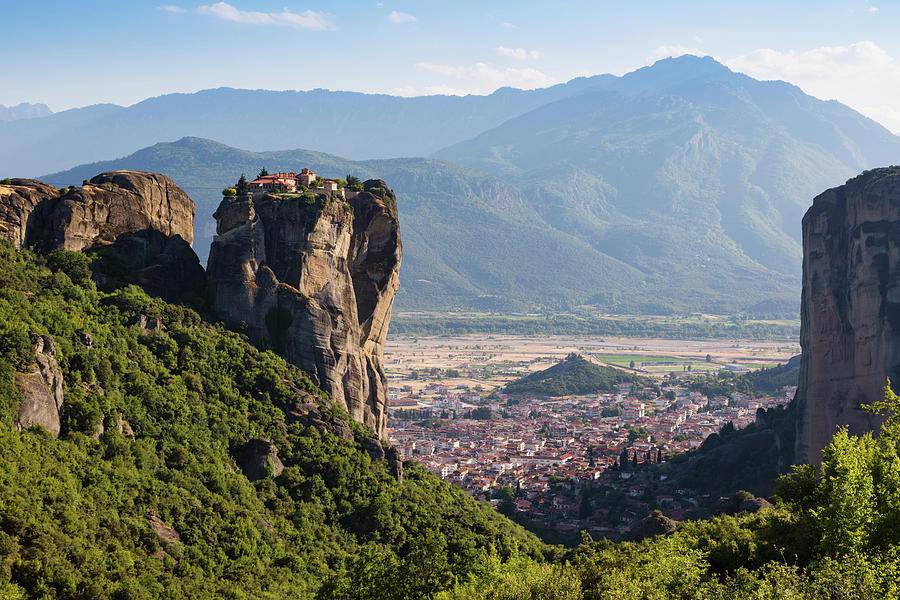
{"points": [[277, 182]]}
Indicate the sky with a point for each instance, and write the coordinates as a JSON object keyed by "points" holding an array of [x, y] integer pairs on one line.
{"points": [[70, 54]]}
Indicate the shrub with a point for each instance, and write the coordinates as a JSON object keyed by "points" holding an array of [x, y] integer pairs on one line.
{"points": [[15, 345], [73, 264]]}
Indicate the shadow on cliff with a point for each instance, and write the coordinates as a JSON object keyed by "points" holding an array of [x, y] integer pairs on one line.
{"points": [[164, 266]]}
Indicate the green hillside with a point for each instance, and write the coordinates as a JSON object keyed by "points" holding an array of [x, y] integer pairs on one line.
{"points": [[76, 512], [572, 375], [163, 509]]}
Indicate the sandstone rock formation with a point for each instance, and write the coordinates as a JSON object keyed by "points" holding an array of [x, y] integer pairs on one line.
{"points": [[314, 281], [162, 530], [309, 413], [850, 310], [754, 505], [34, 213], [165, 266], [41, 388], [143, 217]]}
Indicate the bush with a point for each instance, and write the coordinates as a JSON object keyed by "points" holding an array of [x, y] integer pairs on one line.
{"points": [[74, 264], [15, 345], [229, 192]]}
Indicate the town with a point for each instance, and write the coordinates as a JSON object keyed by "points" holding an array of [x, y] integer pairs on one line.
{"points": [[539, 458]]}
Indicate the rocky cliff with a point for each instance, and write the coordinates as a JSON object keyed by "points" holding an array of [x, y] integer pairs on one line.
{"points": [[850, 309], [34, 213], [314, 280], [143, 217], [41, 388]]}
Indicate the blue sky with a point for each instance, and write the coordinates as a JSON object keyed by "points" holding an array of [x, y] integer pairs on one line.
{"points": [[69, 54]]}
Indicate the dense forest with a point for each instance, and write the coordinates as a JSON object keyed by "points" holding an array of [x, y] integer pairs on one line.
{"points": [[75, 512], [162, 509]]}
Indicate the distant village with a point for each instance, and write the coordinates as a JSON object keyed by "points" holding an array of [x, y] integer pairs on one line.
{"points": [[554, 451]]}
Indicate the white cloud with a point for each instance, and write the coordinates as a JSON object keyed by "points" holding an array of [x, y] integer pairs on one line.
{"points": [[861, 75], [401, 18], [173, 9], [509, 26], [308, 19], [872, 9], [673, 50], [519, 53], [482, 78]]}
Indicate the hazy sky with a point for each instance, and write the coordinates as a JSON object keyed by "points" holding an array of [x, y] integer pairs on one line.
{"points": [[69, 54]]}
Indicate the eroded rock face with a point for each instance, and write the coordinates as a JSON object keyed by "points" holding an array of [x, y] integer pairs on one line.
{"points": [[850, 310], [143, 217], [315, 283], [165, 266], [34, 213], [41, 388], [19, 200]]}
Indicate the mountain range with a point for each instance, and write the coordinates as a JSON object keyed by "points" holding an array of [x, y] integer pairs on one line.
{"points": [[24, 110], [677, 187]]}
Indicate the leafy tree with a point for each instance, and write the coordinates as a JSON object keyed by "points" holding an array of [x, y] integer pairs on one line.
{"points": [[15, 346], [73, 264], [262, 173], [353, 183], [242, 187]]}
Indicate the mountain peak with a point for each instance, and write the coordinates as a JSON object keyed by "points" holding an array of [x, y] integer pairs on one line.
{"points": [[681, 68]]}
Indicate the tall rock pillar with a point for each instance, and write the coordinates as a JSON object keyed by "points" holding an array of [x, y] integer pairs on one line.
{"points": [[313, 278], [850, 308]]}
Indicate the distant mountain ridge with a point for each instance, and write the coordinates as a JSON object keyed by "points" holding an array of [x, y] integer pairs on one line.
{"points": [[357, 125], [685, 145], [24, 110], [465, 232], [676, 188]]}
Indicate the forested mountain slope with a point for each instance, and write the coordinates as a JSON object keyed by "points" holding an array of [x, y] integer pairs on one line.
{"points": [[685, 170], [191, 465]]}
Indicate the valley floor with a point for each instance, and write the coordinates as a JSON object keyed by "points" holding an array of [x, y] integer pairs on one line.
{"points": [[578, 462]]}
